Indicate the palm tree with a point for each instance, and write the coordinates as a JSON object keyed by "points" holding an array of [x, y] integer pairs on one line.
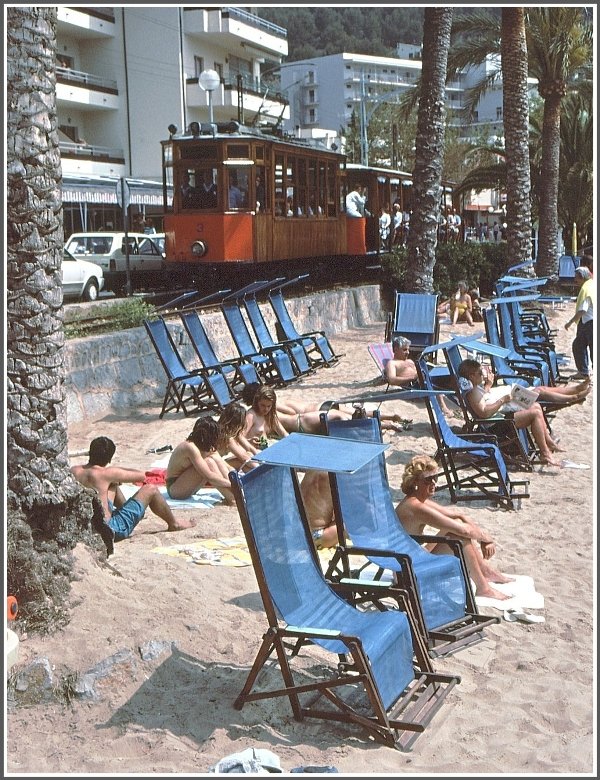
{"points": [[516, 134], [48, 512], [559, 47], [429, 151]]}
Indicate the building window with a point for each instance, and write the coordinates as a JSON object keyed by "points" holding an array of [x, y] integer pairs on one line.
{"points": [[498, 112], [311, 95], [198, 65]]}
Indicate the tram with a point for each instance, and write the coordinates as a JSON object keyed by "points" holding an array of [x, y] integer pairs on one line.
{"points": [[240, 202]]}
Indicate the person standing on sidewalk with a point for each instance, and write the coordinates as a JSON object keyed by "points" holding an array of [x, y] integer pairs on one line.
{"points": [[583, 343]]}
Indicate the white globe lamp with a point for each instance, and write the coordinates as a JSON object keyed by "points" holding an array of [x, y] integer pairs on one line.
{"points": [[209, 80]]}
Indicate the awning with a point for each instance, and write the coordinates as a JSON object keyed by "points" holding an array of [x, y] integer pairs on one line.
{"points": [[106, 192], [477, 207]]}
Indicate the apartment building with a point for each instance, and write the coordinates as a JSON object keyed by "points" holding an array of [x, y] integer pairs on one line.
{"points": [[124, 74]]}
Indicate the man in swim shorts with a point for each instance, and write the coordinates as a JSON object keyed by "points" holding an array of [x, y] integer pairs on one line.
{"points": [[318, 505], [121, 515]]}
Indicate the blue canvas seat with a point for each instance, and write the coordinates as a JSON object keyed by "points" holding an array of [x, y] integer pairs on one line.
{"points": [[237, 371], [294, 347], [381, 678], [273, 365], [315, 342], [439, 588], [415, 317], [188, 391]]}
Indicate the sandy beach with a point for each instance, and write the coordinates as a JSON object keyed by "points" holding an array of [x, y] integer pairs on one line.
{"points": [[525, 704]]}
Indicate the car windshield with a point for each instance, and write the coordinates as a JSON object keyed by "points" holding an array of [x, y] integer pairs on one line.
{"points": [[90, 245]]}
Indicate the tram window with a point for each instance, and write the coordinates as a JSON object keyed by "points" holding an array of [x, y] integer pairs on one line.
{"points": [[198, 188], [322, 190], [259, 152], [331, 195], [196, 151], [279, 192], [237, 187], [263, 202]]}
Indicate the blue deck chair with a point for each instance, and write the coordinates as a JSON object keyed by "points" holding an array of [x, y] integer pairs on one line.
{"points": [[382, 678], [473, 464], [415, 317], [567, 265], [273, 365], [512, 359], [294, 348], [236, 370], [515, 443], [189, 391], [438, 585], [514, 339], [315, 342]]}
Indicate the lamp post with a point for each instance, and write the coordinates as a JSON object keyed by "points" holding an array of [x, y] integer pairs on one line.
{"points": [[209, 80]]}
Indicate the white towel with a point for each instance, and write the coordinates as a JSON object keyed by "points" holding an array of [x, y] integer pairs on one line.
{"points": [[205, 498], [522, 592]]}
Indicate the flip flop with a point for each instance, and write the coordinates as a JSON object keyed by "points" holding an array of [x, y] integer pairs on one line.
{"points": [[514, 615]]}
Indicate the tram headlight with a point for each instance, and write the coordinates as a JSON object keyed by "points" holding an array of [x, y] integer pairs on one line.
{"points": [[199, 248]]}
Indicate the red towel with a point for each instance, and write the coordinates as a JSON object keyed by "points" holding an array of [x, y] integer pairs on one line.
{"points": [[155, 477]]}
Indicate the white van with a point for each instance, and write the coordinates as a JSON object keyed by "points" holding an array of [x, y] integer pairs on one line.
{"points": [[146, 258]]}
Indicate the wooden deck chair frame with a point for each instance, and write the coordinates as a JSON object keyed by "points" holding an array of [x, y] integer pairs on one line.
{"points": [[188, 391], [379, 653], [237, 371], [473, 464], [315, 342], [439, 587]]}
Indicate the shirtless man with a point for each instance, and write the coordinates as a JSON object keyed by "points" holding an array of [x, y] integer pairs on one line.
{"points": [[121, 515], [196, 462], [318, 504], [401, 371], [418, 509]]}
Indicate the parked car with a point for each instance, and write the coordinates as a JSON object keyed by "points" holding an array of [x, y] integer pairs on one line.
{"points": [[108, 250], [81, 279]]}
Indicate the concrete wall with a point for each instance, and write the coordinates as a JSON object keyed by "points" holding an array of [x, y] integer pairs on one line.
{"points": [[118, 370]]}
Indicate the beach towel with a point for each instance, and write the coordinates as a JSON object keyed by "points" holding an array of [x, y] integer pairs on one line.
{"points": [[205, 498], [522, 592]]}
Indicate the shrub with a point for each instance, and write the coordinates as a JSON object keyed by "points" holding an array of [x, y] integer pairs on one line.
{"points": [[118, 315]]}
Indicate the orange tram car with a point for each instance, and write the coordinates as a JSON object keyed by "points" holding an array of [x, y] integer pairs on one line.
{"points": [[246, 204]]}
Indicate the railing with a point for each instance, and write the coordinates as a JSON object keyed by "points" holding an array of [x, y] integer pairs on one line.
{"points": [[88, 152], [255, 21], [100, 12], [86, 80]]}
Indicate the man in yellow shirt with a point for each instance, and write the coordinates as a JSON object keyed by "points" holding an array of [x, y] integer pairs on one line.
{"points": [[583, 343]]}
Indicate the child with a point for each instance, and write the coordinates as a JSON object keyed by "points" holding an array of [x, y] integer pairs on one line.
{"points": [[262, 420], [232, 440], [195, 462]]}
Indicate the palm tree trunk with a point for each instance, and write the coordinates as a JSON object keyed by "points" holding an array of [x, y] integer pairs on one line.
{"points": [[48, 511], [547, 259], [429, 153], [516, 134]]}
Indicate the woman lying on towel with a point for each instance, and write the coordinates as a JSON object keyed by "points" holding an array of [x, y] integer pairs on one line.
{"points": [[195, 463], [298, 417], [418, 509]]}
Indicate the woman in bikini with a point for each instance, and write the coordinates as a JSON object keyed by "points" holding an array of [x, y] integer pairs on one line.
{"points": [[262, 419], [233, 446], [195, 463], [461, 305]]}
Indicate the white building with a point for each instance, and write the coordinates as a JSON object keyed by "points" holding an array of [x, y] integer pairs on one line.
{"points": [[124, 74]]}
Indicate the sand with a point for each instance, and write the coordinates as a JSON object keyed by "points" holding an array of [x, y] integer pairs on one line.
{"points": [[525, 704]]}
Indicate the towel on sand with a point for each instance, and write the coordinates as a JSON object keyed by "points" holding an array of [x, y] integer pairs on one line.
{"points": [[205, 498], [522, 592]]}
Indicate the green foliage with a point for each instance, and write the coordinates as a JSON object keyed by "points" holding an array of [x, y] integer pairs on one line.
{"points": [[120, 315], [478, 264]]}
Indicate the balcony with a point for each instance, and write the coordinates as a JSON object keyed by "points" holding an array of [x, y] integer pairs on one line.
{"points": [[88, 160], [86, 22], [84, 89], [236, 29], [257, 96]]}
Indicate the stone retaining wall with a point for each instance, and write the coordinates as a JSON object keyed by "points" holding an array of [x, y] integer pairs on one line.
{"points": [[113, 371]]}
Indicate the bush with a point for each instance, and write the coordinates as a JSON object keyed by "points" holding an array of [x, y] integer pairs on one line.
{"points": [[478, 264], [117, 315]]}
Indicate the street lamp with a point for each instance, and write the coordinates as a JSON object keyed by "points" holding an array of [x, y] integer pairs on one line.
{"points": [[209, 80]]}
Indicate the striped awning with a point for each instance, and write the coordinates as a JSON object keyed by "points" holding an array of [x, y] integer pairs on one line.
{"points": [[106, 192]]}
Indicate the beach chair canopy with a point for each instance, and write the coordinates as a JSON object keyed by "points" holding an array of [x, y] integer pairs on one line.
{"points": [[438, 585], [381, 679], [189, 391]]}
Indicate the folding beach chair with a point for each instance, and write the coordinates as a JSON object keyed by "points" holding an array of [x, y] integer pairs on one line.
{"points": [[439, 587], [189, 391], [567, 265], [515, 443], [294, 347], [473, 464], [415, 317], [237, 371], [315, 342], [381, 354], [273, 365], [511, 358], [382, 679]]}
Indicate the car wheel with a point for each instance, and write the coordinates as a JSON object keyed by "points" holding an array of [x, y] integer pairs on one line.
{"points": [[90, 292]]}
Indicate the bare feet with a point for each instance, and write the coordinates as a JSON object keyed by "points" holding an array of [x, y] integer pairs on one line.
{"points": [[555, 448], [492, 593], [497, 577], [550, 462], [180, 525]]}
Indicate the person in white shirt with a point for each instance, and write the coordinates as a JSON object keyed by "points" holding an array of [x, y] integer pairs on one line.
{"points": [[355, 202]]}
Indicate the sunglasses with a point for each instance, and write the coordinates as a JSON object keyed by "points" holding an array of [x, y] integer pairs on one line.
{"points": [[430, 479]]}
